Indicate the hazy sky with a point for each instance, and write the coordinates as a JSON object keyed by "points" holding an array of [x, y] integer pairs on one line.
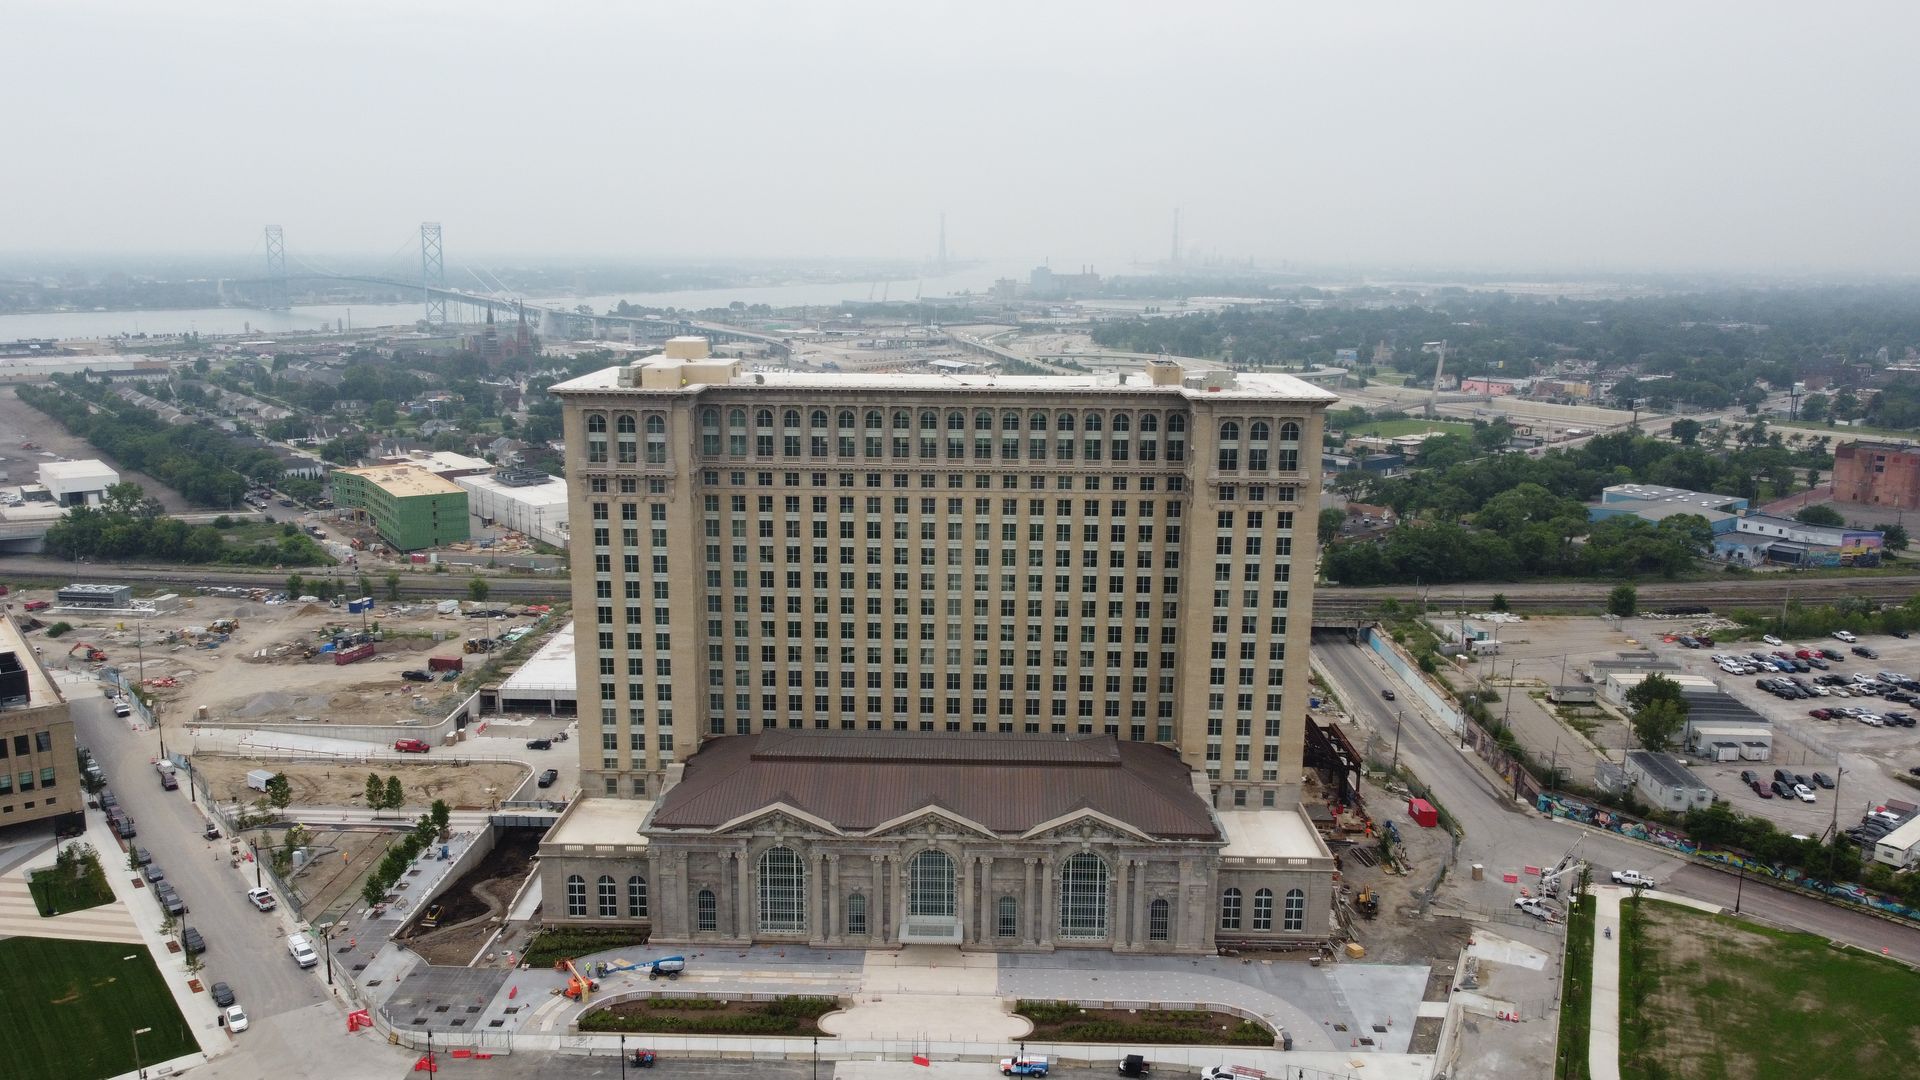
{"points": [[1532, 136]]}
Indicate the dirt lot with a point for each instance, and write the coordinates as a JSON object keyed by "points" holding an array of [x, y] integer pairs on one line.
{"points": [[260, 673], [473, 903], [464, 787], [340, 860], [1399, 935], [20, 421]]}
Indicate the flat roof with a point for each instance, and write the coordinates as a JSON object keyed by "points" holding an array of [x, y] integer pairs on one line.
{"points": [[404, 480], [549, 668], [84, 469], [1665, 768], [1270, 834], [1264, 385], [601, 823], [551, 493], [41, 689]]}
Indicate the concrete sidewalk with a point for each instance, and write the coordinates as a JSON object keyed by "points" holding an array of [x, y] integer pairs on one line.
{"points": [[1603, 1038]]}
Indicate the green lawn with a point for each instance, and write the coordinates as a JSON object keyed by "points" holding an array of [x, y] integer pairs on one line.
{"points": [[1576, 994], [57, 890], [1851, 431], [72, 1008], [1714, 998], [1392, 428]]}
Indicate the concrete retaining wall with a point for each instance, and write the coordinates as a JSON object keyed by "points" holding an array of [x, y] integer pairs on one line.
{"points": [[1382, 646]]}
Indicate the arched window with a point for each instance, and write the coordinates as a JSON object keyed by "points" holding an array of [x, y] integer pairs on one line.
{"points": [[983, 421], [783, 892], [1083, 896], [1122, 422], [609, 897], [763, 419], [597, 422], [1159, 920], [875, 421], [1177, 423], [857, 914], [706, 911], [636, 897], [656, 426], [845, 420], [930, 884], [1230, 431], [1263, 910], [902, 420], [596, 439], [1006, 917], [1066, 421], [1010, 422], [709, 431], [1230, 910], [817, 419], [1094, 422], [709, 419], [737, 418], [1289, 432], [1150, 423], [1296, 913], [624, 425], [576, 896], [790, 419], [929, 420], [1038, 422], [956, 421], [1258, 431]]}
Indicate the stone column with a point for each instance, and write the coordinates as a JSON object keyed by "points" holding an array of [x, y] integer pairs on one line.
{"points": [[1117, 921], [1141, 933], [965, 906], [897, 876], [988, 910], [1044, 909], [833, 899], [743, 925], [817, 914], [877, 901], [1026, 906]]}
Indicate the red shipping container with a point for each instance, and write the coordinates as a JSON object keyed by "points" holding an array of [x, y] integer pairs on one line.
{"points": [[1423, 813], [445, 663]]}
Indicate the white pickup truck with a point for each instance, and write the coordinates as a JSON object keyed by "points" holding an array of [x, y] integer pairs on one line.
{"points": [[1633, 879], [302, 950]]}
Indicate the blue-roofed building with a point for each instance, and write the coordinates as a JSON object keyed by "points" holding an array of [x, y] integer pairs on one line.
{"points": [[1655, 502]]}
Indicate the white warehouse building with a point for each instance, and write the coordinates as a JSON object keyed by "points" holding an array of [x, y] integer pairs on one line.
{"points": [[78, 483], [524, 500]]}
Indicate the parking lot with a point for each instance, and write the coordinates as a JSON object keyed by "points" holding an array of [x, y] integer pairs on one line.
{"points": [[1863, 758]]}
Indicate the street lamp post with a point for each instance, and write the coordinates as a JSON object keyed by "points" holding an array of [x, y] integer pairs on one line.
{"points": [[137, 1032], [1739, 886], [257, 883], [623, 1057], [1397, 715]]}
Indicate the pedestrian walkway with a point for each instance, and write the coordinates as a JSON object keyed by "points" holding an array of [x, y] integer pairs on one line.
{"points": [[1603, 1038], [19, 917], [931, 992]]}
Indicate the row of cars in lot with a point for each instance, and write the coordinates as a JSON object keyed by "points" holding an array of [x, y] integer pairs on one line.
{"points": [[1786, 785]]}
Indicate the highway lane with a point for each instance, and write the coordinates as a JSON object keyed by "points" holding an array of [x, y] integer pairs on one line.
{"points": [[245, 948], [1501, 835]]}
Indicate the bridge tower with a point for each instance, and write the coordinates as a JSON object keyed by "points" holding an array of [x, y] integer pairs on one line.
{"points": [[276, 288], [433, 273]]}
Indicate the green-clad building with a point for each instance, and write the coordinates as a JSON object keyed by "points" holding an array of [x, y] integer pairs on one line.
{"points": [[411, 507]]}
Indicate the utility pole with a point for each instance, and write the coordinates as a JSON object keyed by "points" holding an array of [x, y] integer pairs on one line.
{"points": [[1397, 714]]}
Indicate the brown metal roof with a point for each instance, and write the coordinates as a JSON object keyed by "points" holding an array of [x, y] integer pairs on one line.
{"points": [[1008, 783]]}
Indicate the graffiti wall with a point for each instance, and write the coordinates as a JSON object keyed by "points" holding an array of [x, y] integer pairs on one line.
{"points": [[1599, 817]]}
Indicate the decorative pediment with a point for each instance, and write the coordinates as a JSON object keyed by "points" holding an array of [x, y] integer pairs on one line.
{"points": [[930, 820], [1090, 826], [780, 817]]}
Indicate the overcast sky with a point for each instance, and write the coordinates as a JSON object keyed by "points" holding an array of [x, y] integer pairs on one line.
{"points": [[1527, 136]]}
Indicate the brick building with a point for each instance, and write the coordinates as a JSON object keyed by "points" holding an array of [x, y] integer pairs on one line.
{"points": [[1877, 473]]}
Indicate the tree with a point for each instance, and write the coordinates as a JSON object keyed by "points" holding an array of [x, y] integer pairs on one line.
{"points": [[364, 585], [1499, 602], [393, 586], [296, 586], [1819, 515], [477, 589], [1330, 521], [1623, 601], [394, 797], [1686, 430], [1814, 407], [440, 815], [1654, 687], [373, 891], [1657, 723], [376, 795], [1896, 538], [280, 791]]}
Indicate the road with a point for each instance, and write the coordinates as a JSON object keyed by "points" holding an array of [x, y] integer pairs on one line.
{"points": [[245, 948], [1501, 835], [1569, 595]]}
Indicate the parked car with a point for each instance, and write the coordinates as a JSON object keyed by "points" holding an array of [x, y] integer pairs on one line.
{"points": [[1862, 650], [1782, 789], [192, 942], [548, 777], [1846, 636], [417, 675], [1823, 780], [539, 744], [261, 899], [168, 899], [142, 855], [1748, 776], [1803, 792], [411, 746], [222, 994], [1901, 634], [1833, 654], [235, 1018], [152, 872], [1763, 792], [1820, 714], [1771, 640], [1026, 1066]]}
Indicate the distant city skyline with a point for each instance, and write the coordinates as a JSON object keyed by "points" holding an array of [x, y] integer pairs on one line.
{"points": [[1711, 137]]}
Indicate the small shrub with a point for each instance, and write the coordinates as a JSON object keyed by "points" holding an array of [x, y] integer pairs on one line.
{"points": [[58, 628]]}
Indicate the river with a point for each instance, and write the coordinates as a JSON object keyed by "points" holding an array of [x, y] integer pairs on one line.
{"points": [[237, 320]]}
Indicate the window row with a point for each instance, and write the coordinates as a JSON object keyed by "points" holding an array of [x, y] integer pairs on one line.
{"points": [[607, 895], [1293, 918]]}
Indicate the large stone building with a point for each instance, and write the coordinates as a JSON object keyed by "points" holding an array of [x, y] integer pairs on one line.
{"points": [[827, 577]]}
